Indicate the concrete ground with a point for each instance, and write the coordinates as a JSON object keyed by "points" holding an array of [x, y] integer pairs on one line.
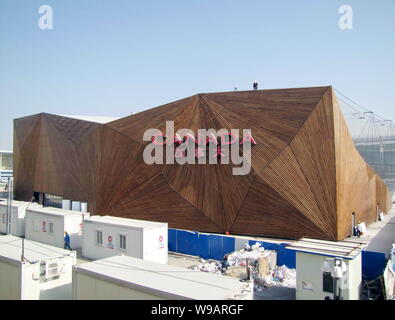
{"points": [[384, 238], [182, 260], [174, 259], [80, 258], [186, 261], [380, 235]]}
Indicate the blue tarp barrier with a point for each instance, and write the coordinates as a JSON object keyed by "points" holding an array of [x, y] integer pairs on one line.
{"points": [[188, 242], [215, 247], [212, 246], [286, 256], [373, 264], [172, 240], [204, 246], [228, 245]]}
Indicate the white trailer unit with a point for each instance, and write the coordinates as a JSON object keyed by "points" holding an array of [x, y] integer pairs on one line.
{"points": [[128, 278], [47, 225], [45, 273], [106, 236], [327, 269], [17, 221], [74, 205]]}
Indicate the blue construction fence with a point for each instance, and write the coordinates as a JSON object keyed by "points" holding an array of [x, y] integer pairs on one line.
{"points": [[215, 246], [373, 264]]}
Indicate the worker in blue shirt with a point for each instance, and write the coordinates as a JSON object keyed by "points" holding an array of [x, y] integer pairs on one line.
{"points": [[67, 241]]}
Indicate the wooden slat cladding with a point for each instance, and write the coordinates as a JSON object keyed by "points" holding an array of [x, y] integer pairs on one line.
{"points": [[84, 173], [306, 180], [358, 186], [266, 212], [26, 137], [73, 129]]}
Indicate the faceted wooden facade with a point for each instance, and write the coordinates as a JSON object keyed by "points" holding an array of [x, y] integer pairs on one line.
{"points": [[306, 180]]}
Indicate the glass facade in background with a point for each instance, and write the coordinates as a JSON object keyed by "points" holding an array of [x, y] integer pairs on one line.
{"points": [[51, 200], [380, 155]]}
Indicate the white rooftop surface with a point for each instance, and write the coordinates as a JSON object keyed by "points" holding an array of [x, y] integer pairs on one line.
{"points": [[11, 248], [341, 249], [21, 204], [97, 119], [55, 211], [118, 221], [17, 203], [156, 278]]}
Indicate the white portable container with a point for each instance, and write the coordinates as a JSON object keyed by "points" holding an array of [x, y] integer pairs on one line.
{"points": [[47, 225], [66, 204], [106, 236], [75, 205], [84, 207], [128, 278], [317, 272], [18, 211], [44, 274]]}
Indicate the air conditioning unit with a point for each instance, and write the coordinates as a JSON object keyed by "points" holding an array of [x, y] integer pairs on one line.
{"points": [[52, 269]]}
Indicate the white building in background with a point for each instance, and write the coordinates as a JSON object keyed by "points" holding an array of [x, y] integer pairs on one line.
{"points": [[74, 205], [106, 236], [17, 219], [45, 273], [123, 277], [55, 201], [47, 225], [5, 165]]}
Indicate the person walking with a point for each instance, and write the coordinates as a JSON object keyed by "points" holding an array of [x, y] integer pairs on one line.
{"points": [[67, 241]]}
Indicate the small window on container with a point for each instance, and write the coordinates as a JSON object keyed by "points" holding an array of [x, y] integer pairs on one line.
{"points": [[51, 227], [122, 242], [3, 218], [99, 237]]}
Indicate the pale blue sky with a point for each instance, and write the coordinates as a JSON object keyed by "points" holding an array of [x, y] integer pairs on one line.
{"points": [[111, 58]]}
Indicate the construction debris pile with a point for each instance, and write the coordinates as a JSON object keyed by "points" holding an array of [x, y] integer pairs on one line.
{"points": [[252, 263]]}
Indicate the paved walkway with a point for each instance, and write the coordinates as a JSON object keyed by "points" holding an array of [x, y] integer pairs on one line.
{"points": [[181, 260], [80, 258], [174, 259], [380, 235]]}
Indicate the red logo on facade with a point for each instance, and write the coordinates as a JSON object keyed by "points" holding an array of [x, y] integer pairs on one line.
{"points": [[161, 243]]}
